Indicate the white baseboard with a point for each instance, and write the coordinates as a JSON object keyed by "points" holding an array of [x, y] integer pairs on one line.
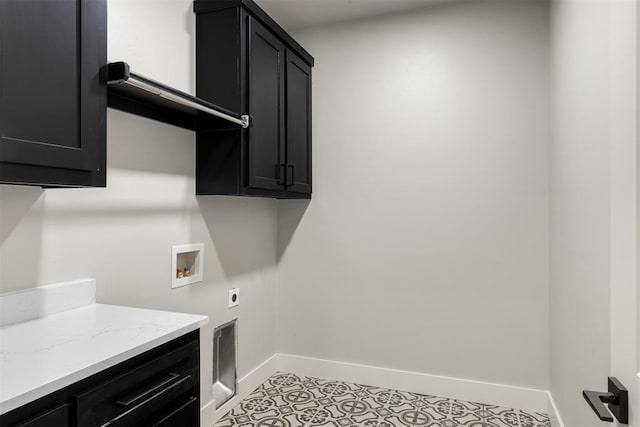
{"points": [[552, 410], [456, 388], [246, 385], [208, 414]]}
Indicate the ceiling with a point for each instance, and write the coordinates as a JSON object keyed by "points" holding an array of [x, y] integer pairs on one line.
{"points": [[295, 14]]}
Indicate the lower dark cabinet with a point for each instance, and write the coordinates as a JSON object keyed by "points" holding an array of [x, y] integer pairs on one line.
{"points": [[158, 388], [183, 415], [55, 417]]}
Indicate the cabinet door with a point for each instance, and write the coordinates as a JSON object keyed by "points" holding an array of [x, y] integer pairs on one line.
{"points": [[55, 417], [266, 106], [186, 414], [298, 125], [52, 98]]}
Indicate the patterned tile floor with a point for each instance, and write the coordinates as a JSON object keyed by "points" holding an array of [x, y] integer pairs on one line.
{"points": [[287, 400]]}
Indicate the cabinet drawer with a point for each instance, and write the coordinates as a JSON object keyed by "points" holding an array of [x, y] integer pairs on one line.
{"points": [[56, 417], [186, 414], [134, 395]]}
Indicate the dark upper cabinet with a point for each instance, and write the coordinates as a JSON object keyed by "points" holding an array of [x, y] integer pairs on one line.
{"points": [[52, 93], [246, 62]]}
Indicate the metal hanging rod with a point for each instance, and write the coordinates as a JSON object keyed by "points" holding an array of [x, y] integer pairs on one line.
{"points": [[120, 74]]}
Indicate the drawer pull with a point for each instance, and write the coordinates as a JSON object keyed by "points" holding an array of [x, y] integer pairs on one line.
{"points": [[133, 400], [143, 398]]}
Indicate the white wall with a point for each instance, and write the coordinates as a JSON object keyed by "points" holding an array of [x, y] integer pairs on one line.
{"points": [[624, 117], [579, 205], [593, 213], [122, 235], [425, 247]]}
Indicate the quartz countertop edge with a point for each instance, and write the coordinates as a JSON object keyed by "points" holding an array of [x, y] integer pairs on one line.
{"points": [[41, 356]]}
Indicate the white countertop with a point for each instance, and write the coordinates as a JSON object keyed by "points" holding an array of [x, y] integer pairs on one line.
{"points": [[48, 353]]}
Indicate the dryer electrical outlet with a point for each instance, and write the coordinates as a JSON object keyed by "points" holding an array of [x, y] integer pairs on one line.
{"points": [[234, 297]]}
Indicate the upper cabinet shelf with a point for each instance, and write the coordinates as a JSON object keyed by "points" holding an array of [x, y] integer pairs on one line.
{"points": [[133, 93]]}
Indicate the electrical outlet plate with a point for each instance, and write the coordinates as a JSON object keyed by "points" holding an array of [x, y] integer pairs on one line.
{"points": [[234, 297]]}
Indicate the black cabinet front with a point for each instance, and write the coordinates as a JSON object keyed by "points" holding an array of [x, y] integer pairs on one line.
{"points": [[57, 416], [52, 95], [266, 106], [134, 396], [298, 178], [245, 61]]}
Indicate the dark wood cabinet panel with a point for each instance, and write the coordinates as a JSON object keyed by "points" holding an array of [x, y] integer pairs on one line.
{"points": [[160, 387], [133, 396], [298, 125], [246, 62], [28, 72], [55, 417], [266, 106], [52, 92], [184, 414]]}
